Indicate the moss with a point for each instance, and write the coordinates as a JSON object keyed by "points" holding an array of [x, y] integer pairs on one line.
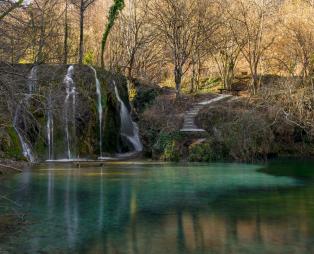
{"points": [[12, 149], [50, 85]]}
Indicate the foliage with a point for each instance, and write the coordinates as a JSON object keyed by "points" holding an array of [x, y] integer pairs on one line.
{"points": [[171, 152], [208, 151], [10, 144], [114, 11], [89, 58], [248, 138], [166, 139], [201, 152], [144, 98], [244, 134]]}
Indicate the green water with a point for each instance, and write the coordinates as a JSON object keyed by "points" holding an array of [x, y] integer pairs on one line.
{"points": [[164, 209]]}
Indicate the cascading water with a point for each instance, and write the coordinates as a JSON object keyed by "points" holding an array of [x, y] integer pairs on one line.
{"points": [[99, 108], [27, 151], [50, 128], [129, 129], [32, 86], [32, 80], [70, 94]]}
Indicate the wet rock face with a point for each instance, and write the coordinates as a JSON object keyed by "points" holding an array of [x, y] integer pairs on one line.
{"points": [[54, 115]]}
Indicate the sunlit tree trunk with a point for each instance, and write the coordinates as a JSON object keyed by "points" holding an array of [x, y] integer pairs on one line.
{"points": [[66, 34], [81, 47]]}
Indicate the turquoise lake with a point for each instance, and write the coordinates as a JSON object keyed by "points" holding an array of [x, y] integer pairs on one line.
{"points": [[160, 208]]}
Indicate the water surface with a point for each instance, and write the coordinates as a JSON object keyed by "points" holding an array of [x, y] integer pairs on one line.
{"points": [[164, 208]]}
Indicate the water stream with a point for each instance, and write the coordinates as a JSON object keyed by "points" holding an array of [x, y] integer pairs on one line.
{"points": [[31, 86], [68, 115], [50, 127], [99, 108], [129, 129]]}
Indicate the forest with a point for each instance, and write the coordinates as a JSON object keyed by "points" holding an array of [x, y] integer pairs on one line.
{"points": [[260, 49], [156, 126]]}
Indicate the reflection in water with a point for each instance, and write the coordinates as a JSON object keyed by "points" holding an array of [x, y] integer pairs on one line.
{"points": [[101, 202], [50, 193], [141, 209], [71, 215]]}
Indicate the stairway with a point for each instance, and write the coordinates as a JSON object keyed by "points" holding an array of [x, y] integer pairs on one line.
{"points": [[189, 117]]}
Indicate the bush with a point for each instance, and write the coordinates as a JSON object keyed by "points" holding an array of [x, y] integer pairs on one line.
{"points": [[201, 152], [171, 152], [210, 150], [244, 134], [247, 138]]}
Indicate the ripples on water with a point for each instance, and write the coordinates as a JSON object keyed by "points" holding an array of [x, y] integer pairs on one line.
{"points": [[139, 208]]}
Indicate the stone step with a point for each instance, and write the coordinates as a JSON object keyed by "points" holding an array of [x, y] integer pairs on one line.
{"points": [[189, 117], [192, 130], [190, 126]]}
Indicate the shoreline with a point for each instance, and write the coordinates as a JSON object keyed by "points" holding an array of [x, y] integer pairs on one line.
{"points": [[8, 167]]}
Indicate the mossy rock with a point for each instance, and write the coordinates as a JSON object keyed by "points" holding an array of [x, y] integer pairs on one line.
{"points": [[10, 144], [50, 96]]}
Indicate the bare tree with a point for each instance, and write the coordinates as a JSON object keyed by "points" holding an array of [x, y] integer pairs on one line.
{"points": [[226, 53], [82, 6], [250, 25], [175, 21], [8, 6]]}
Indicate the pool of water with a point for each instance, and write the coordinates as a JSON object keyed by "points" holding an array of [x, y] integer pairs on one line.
{"points": [[163, 208]]}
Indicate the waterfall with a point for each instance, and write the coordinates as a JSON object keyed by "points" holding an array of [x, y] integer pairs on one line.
{"points": [[50, 128], [99, 108], [32, 85], [27, 151], [70, 93], [32, 80], [129, 129]]}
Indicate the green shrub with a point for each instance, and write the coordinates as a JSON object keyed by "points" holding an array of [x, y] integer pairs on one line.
{"points": [[10, 144], [201, 152], [143, 98], [210, 150], [171, 152], [89, 58], [165, 139]]}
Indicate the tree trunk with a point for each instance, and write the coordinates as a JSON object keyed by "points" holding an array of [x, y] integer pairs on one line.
{"points": [[193, 79], [66, 32], [178, 78], [130, 69], [230, 75], [40, 53], [81, 49], [254, 83]]}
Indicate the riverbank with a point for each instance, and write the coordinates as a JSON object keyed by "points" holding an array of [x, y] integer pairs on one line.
{"points": [[8, 166], [238, 128]]}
